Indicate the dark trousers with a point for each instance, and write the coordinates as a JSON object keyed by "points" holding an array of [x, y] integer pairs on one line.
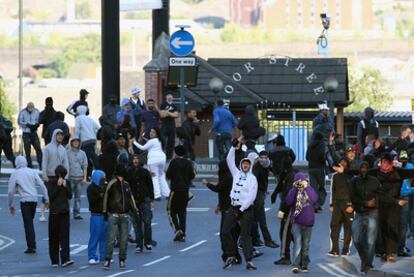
{"points": [[286, 236], [168, 133], [117, 226], [223, 144], [189, 149], [364, 234], [90, 152], [143, 221], [232, 217], [260, 218], [6, 147], [28, 213], [405, 211], [389, 222], [177, 210], [235, 232], [59, 238], [341, 218], [29, 140], [317, 181]]}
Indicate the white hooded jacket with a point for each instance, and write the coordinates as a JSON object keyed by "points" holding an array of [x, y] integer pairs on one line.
{"points": [[54, 155], [23, 181], [244, 188], [85, 127]]}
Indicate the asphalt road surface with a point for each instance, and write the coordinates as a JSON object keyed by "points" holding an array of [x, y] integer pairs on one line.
{"points": [[198, 256]]}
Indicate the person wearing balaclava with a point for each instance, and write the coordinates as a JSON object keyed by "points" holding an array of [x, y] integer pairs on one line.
{"points": [[109, 113], [367, 126], [261, 170], [243, 194], [47, 116]]}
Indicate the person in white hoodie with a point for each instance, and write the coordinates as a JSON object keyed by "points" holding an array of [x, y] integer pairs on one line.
{"points": [[242, 195], [86, 129], [156, 163], [54, 155], [23, 181]]}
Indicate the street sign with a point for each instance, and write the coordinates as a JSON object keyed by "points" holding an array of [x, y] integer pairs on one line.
{"points": [[182, 61], [182, 43]]}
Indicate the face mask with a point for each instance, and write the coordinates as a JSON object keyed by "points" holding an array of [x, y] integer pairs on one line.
{"points": [[386, 166], [264, 162]]}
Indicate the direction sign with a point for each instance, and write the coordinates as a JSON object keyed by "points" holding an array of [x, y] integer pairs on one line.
{"points": [[182, 43], [182, 61]]}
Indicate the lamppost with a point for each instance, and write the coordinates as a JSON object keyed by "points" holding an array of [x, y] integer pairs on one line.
{"points": [[331, 85], [215, 85]]}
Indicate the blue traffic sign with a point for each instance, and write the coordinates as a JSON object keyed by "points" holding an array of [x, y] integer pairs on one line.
{"points": [[182, 43]]}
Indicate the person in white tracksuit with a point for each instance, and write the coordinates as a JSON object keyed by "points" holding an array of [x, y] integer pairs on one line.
{"points": [[156, 163]]}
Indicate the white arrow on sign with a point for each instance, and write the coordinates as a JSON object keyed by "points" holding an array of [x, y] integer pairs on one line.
{"points": [[177, 42]]}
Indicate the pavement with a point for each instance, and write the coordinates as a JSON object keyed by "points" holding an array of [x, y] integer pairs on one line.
{"points": [[198, 256]]}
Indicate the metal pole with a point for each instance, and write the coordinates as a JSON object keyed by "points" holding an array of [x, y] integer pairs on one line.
{"points": [[20, 54], [182, 97], [294, 131], [134, 49]]}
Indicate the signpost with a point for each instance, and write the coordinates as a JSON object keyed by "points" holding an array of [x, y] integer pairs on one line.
{"points": [[182, 44], [412, 111]]}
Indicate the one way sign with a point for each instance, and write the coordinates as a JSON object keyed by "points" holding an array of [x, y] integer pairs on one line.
{"points": [[182, 43]]}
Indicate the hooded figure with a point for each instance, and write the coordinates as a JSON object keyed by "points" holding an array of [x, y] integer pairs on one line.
{"points": [[58, 123], [110, 111], [367, 126], [54, 154], [85, 127], [47, 116], [249, 124]]}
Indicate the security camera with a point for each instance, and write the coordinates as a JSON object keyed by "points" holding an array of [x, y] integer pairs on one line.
{"points": [[326, 20]]}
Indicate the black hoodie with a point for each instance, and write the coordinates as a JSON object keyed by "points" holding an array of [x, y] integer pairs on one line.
{"points": [[140, 182], [315, 154], [250, 125]]}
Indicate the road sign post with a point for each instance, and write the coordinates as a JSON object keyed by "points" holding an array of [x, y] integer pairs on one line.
{"points": [[182, 45], [412, 111]]}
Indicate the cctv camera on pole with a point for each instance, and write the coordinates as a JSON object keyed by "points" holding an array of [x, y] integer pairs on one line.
{"points": [[322, 41]]}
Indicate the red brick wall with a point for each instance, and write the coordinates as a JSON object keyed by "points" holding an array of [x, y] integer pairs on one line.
{"points": [[154, 84]]}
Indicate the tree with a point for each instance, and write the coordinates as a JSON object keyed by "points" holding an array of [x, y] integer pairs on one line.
{"points": [[7, 108], [368, 88]]}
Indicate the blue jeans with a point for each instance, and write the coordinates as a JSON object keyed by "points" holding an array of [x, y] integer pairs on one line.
{"points": [[301, 236], [403, 226], [76, 189], [117, 222], [98, 230], [223, 144], [411, 216], [145, 217], [364, 235]]}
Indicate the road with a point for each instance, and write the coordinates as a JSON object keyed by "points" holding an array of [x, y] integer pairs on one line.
{"points": [[198, 256]]}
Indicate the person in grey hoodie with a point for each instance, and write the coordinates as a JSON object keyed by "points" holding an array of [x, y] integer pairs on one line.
{"points": [[23, 181], [54, 155], [86, 130], [28, 120], [78, 167]]}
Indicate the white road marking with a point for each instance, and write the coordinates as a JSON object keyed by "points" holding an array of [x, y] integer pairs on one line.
{"points": [[78, 249], [121, 273], [84, 267], [192, 246], [154, 223], [198, 209], [329, 271], [5, 242], [72, 272], [340, 270], [156, 261], [199, 189]]}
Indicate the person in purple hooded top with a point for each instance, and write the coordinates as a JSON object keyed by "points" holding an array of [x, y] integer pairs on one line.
{"points": [[301, 199]]}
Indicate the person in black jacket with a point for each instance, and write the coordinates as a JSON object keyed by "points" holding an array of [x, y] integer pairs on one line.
{"points": [[250, 126], [181, 173], [188, 132], [118, 203], [261, 170], [342, 212], [58, 123], [285, 232], [60, 193], [367, 126], [72, 108], [316, 156], [98, 227], [278, 154], [6, 127], [364, 190], [140, 181], [47, 116]]}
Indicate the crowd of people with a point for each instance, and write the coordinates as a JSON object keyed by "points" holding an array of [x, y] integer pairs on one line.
{"points": [[141, 149]]}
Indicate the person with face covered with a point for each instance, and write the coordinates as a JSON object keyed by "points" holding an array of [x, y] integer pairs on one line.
{"points": [[242, 195], [109, 113], [47, 116], [367, 126], [261, 170]]}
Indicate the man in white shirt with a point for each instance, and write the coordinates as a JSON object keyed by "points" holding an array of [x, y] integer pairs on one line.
{"points": [[242, 195], [23, 181]]}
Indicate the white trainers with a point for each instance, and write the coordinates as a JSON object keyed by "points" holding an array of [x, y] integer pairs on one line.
{"points": [[42, 218], [93, 262]]}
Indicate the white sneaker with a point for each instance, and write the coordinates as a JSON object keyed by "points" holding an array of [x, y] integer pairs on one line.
{"points": [[42, 218], [93, 262]]}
